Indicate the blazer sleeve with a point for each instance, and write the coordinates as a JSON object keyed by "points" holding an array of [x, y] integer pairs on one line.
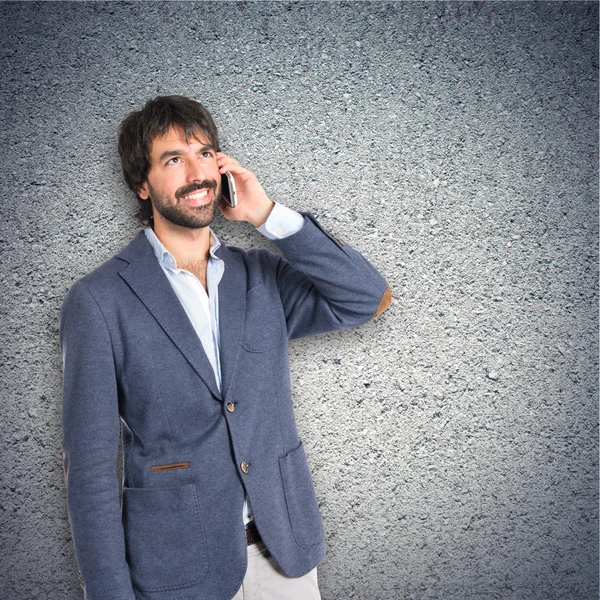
{"points": [[90, 448], [325, 284]]}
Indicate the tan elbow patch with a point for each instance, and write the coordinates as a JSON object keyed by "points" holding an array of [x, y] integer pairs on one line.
{"points": [[386, 300]]}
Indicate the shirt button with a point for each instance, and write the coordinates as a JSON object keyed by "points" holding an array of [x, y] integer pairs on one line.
{"points": [[230, 406], [280, 231], [244, 467]]}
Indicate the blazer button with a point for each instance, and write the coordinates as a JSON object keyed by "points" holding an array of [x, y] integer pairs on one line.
{"points": [[244, 467], [230, 406]]}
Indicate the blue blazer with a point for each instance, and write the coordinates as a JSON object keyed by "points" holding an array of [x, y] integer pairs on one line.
{"points": [[190, 452]]}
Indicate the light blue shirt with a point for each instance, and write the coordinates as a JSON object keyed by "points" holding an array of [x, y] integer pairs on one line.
{"points": [[200, 305]]}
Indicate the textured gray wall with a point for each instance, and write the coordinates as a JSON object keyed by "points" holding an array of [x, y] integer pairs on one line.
{"points": [[452, 441]]}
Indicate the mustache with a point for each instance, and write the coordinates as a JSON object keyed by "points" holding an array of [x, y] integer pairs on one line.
{"points": [[192, 187]]}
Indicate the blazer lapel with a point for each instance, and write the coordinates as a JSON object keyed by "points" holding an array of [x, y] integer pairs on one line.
{"points": [[232, 313], [146, 278]]}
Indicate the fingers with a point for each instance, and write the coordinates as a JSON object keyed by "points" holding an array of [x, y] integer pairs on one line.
{"points": [[226, 163]]}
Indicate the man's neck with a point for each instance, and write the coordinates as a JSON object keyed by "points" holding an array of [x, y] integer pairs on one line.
{"points": [[187, 245]]}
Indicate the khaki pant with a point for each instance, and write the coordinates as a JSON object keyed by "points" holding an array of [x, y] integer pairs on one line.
{"points": [[265, 581]]}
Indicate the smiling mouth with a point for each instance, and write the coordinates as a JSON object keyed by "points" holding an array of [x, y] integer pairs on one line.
{"points": [[197, 198]]}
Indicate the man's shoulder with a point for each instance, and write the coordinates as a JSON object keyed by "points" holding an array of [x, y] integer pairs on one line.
{"points": [[103, 276]]}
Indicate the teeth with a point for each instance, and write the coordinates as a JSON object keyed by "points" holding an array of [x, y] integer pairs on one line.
{"points": [[197, 195]]}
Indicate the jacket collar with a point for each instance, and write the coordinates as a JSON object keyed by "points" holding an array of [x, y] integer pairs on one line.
{"points": [[147, 280]]}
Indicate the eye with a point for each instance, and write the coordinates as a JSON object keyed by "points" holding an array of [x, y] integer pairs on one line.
{"points": [[206, 154], [174, 161]]}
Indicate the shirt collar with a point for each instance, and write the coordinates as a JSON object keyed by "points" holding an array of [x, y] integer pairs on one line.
{"points": [[165, 258]]}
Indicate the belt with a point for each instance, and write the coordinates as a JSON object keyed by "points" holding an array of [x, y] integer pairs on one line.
{"points": [[252, 535]]}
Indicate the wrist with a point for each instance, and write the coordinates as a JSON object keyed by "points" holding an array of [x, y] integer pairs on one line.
{"points": [[261, 213]]}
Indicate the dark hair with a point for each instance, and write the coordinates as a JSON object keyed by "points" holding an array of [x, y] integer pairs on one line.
{"points": [[138, 129]]}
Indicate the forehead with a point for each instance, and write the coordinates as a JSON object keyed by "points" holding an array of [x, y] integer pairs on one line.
{"points": [[174, 138]]}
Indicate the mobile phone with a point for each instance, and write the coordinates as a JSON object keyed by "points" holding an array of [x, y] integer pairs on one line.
{"points": [[228, 190]]}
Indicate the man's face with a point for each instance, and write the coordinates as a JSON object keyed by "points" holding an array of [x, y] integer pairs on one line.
{"points": [[183, 183]]}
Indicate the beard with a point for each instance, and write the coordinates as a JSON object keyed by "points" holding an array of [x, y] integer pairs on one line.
{"points": [[193, 217]]}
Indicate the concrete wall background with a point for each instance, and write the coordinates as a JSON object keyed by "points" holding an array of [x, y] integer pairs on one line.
{"points": [[452, 441]]}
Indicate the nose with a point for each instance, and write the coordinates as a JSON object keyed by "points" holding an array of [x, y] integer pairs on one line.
{"points": [[196, 170]]}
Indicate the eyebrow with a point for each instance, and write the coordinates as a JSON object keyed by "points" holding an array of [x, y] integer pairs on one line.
{"points": [[180, 152]]}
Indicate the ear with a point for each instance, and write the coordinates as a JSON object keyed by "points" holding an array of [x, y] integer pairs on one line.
{"points": [[144, 192]]}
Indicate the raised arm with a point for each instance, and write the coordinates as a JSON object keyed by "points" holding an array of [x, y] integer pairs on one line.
{"points": [[325, 284]]}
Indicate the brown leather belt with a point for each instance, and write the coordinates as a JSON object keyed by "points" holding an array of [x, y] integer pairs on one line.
{"points": [[252, 535]]}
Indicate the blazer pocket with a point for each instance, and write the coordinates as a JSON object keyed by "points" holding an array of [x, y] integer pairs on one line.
{"points": [[170, 466], [164, 537], [262, 329], [303, 509]]}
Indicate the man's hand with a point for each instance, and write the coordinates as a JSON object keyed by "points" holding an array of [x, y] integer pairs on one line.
{"points": [[253, 204]]}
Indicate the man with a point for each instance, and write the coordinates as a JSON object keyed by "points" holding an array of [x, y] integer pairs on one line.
{"points": [[183, 341]]}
